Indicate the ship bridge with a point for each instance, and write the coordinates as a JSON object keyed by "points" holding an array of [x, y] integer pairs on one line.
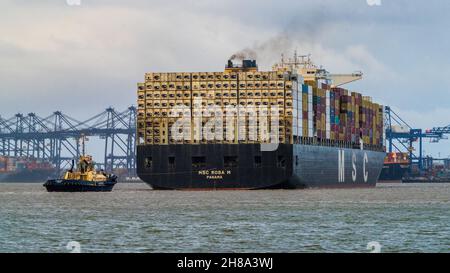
{"points": [[304, 66]]}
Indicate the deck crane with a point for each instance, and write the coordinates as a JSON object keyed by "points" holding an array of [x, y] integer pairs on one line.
{"points": [[341, 79]]}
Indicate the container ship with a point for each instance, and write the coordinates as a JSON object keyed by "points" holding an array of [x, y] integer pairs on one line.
{"points": [[22, 169], [289, 128]]}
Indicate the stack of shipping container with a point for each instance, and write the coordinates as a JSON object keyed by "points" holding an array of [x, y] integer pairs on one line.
{"points": [[310, 112], [3, 164], [262, 91], [12, 164]]}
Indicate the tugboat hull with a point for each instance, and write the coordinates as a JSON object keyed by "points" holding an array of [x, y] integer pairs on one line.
{"points": [[79, 186]]}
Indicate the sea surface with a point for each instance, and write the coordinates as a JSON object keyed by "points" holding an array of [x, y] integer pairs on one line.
{"points": [[134, 218]]}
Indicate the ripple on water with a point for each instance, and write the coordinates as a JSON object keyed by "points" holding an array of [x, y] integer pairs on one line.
{"points": [[133, 218]]}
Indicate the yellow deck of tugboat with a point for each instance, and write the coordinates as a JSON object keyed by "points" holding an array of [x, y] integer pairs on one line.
{"points": [[85, 171]]}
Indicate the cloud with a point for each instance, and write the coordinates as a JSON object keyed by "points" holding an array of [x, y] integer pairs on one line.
{"points": [[96, 62], [437, 117]]}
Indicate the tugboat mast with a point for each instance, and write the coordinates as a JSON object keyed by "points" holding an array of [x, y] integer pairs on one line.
{"points": [[83, 146]]}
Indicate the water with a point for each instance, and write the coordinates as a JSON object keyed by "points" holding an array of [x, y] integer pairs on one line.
{"points": [[133, 218]]}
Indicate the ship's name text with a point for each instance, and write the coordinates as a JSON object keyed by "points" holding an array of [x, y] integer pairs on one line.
{"points": [[214, 174]]}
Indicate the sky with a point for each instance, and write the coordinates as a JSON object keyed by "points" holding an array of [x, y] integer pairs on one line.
{"points": [[82, 56]]}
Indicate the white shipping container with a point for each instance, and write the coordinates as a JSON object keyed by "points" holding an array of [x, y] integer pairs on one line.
{"points": [[299, 118], [295, 113], [296, 95], [294, 86]]}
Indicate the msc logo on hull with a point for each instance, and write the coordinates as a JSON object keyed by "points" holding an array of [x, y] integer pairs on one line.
{"points": [[341, 167]]}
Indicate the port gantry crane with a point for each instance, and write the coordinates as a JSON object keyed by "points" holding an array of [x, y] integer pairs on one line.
{"points": [[400, 137], [439, 131], [56, 138]]}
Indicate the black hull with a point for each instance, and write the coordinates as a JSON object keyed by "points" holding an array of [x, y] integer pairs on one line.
{"points": [[168, 167], [392, 172], [78, 186]]}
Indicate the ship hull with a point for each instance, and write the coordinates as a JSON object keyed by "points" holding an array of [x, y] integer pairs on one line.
{"points": [[393, 172], [245, 166]]}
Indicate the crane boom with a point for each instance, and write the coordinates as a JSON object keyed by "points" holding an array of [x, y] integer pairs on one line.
{"points": [[341, 79]]}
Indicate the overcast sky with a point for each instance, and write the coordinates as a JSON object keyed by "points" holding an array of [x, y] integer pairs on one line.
{"points": [[82, 59]]}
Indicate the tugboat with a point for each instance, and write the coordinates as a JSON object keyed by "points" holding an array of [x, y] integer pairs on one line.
{"points": [[84, 179]]}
